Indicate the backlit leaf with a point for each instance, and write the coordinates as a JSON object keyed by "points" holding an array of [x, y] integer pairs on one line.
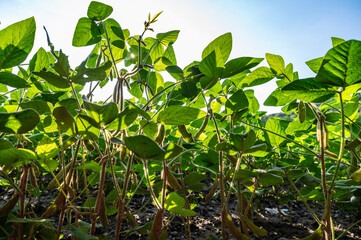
{"points": [[179, 115], [143, 146], [308, 90], [237, 101], [99, 11], [274, 125], [13, 80], [16, 157], [17, 40], [86, 33], [19, 122], [341, 65], [222, 47]]}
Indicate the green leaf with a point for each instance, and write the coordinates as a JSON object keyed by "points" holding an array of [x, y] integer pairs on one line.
{"points": [[274, 125], [175, 204], [53, 79], [17, 40], [237, 101], [65, 120], [38, 105], [179, 115], [172, 150], [168, 38], [308, 90], [62, 65], [98, 11], [40, 61], [315, 64], [115, 33], [88, 127], [259, 76], [243, 142], [222, 47], [103, 114], [341, 65], [84, 74], [13, 80], [19, 122], [47, 149], [336, 41], [16, 157], [296, 126], [276, 63], [208, 66], [278, 98], [253, 104], [123, 119], [268, 179], [14, 219], [143, 146], [175, 71], [5, 144], [238, 65], [80, 234], [86, 33]]}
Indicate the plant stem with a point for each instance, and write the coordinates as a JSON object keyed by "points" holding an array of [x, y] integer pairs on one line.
{"points": [[146, 173], [303, 200]]}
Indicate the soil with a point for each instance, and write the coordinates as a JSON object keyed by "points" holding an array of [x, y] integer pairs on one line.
{"points": [[207, 223]]}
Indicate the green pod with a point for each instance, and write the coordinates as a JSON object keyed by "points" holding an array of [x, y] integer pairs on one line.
{"points": [[203, 126], [301, 111], [185, 134]]}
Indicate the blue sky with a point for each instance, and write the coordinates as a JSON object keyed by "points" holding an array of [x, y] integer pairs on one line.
{"points": [[296, 30]]}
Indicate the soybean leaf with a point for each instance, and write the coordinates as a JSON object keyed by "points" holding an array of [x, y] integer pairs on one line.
{"points": [[47, 148], [278, 98], [341, 65], [243, 142], [208, 66], [40, 61], [179, 115], [62, 65], [237, 101], [115, 32], [172, 150], [103, 114], [19, 122], [274, 125], [168, 38], [64, 120], [175, 71], [315, 64], [238, 65], [84, 74], [123, 119], [13, 80], [88, 127], [175, 204], [221, 46], [268, 179], [276, 63], [38, 105], [16, 157], [5, 144], [80, 234], [336, 41], [308, 90], [144, 146], [17, 40], [98, 11], [253, 104], [53, 79], [86, 33], [259, 76]]}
